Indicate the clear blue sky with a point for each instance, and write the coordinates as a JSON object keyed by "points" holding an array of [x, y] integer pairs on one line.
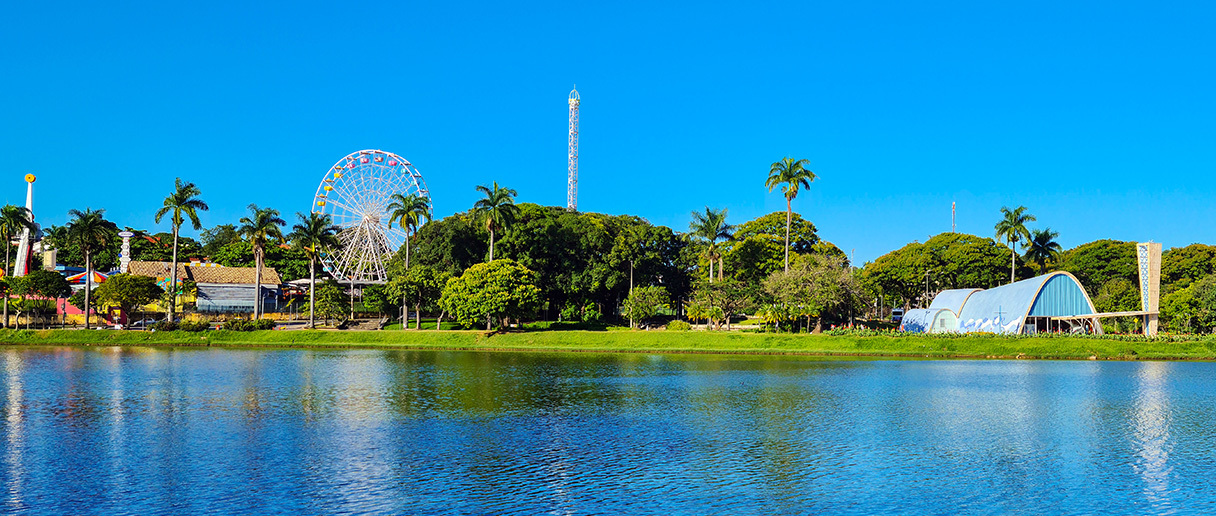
{"points": [[1098, 116]]}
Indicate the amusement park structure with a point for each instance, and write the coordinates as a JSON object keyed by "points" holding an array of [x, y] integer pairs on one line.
{"points": [[356, 192], [28, 237], [572, 180]]}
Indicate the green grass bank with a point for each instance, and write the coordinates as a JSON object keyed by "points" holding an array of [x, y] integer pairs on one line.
{"points": [[980, 346]]}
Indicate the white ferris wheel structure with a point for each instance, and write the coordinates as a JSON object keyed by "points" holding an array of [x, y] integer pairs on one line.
{"points": [[355, 193]]}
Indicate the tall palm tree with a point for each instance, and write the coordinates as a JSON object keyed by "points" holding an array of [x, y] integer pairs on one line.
{"points": [[794, 175], [1012, 229], [409, 211], [91, 232], [1043, 248], [183, 200], [711, 226], [13, 219], [497, 209], [260, 228], [314, 232]]}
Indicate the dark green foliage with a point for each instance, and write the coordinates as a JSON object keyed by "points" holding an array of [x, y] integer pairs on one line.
{"points": [[376, 298], [159, 248], [644, 302], [219, 236], [332, 302], [678, 325], [492, 293], [451, 244], [1182, 266], [128, 291], [248, 325], [1096, 263], [77, 298], [582, 258], [957, 260], [48, 284], [290, 262], [803, 235]]}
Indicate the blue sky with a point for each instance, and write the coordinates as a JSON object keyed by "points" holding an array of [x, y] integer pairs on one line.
{"points": [[1095, 115]]}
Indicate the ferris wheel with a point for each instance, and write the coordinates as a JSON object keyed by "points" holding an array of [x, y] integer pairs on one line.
{"points": [[355, 193]]}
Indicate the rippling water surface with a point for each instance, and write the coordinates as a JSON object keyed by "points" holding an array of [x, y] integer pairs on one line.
{"points": [[146, 431]]}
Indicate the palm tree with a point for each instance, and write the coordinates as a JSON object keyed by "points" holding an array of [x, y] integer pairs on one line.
{"points": [[1043, 248], [314, 232], [497, 209], [1012, 229], [711, 226], [408, 210], [91, 231], [13, 219], [261, 228], [794, 175], [183, 200]]}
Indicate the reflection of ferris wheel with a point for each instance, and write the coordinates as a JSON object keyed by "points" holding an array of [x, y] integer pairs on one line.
{"points": [[356, 193]]}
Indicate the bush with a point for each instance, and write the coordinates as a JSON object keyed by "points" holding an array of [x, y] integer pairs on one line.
{"points": [[248, 325], [678, 325]]}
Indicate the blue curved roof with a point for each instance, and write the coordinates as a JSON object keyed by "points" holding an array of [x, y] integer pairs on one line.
{"points": [[920, 320], [1004, 309], [952, 300]]}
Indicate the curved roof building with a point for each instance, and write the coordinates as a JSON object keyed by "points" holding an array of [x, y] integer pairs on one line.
{"points": [[929, 320], [1025, 306]]}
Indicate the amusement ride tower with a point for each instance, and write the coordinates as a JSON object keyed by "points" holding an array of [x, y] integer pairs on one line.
{"points": [[572, 180]]}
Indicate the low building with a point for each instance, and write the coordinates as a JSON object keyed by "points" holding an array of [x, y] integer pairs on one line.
{"points": [[220, 289], [1052, 302]]}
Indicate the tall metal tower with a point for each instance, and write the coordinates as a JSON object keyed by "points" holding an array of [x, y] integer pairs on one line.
{"points": [[572, 180]]}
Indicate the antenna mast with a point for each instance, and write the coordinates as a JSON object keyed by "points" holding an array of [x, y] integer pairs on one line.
{"points": [[572, 179], [953, 226]]}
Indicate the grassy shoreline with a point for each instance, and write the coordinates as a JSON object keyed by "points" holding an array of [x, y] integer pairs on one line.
{"points": [[644, 342]]}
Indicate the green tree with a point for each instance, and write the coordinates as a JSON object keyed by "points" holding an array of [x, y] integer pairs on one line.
{"points": [[725, 298], [816, 286], [1117, 295], [289, 261], [49, 285], [709, 227], [316, 231], [1097, 262], [409, 211], [90, 231], [13, 220], [643, 303], [219, 236], [1043, 248], [1012, 229], [497, 209], [260, 228], [128, 291], [450, 244], [803, 234], [794, 175], [492, 292], [1182, 266], [183, 201], [1191, 308], [330, 302], [420, 285]]}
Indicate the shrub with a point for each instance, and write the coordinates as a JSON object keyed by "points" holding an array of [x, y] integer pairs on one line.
{"points": [[678, 325], [248, 325]]}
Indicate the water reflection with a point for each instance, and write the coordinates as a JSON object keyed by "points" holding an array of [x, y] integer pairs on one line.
{"points": [[1150, 423], [391, 431]]}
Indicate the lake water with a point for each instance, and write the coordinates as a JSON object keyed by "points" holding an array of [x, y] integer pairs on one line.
{"points": [[185, 431]]}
